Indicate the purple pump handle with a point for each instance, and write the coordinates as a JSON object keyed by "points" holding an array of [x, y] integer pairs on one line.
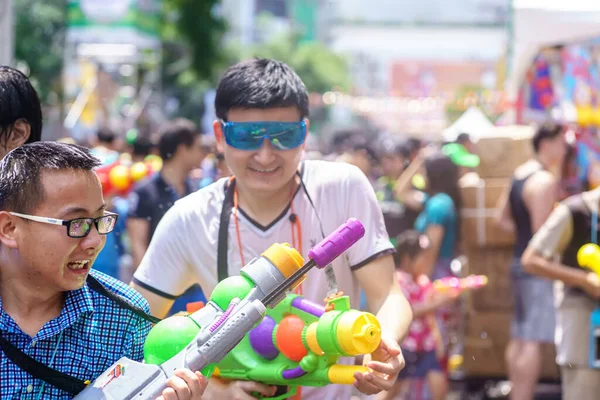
{"points": [[337, 242]]}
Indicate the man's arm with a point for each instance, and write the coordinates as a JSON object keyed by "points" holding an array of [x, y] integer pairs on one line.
{"points": [[534, 263], [540, 194], [425, 260], [159, 305], [385, 297], [164, 272], [504, 219], [403, 190], [547, 245]]}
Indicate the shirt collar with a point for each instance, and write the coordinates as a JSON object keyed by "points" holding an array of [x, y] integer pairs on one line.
{"points": [[77, 303]]}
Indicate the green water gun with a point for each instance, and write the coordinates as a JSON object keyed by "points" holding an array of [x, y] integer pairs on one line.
{"points": [[300, 342]]}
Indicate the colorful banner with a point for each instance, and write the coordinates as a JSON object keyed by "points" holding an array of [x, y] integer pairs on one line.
{"points": [[541, 92], [580, 77]]}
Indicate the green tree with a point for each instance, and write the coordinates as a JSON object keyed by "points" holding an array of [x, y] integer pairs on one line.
{"points": [[39, 43], [192, 53], [320, 68]]}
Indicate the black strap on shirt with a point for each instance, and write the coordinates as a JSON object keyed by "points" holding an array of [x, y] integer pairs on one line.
{"points": [[223, 238], [58, 379], [223, 244], [222, 247], [120, 301], [41, 371]]}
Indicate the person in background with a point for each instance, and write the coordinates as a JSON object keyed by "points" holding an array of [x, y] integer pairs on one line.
{"points": [[275, 197], [206, 173], [552, 254], [415, 147], [399, 217], [105, 146], [141, 148], [439, 220], [110, 259], [421, 348], [364, 157], [588, 158], [570, 182], [524, 207], [439, 217], [180, 147], [464, 139], [20, 111], [214, 171], [340, 143], [461, 156]]}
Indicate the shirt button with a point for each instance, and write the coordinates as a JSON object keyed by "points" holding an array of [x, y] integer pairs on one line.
{"points": [[29, 388], [33, 343]]}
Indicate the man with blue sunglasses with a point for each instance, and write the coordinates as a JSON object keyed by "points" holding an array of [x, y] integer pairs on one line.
{"points": [[250, 136], [274, 196]]}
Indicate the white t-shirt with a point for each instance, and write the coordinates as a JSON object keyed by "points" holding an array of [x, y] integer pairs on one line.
{"points": [[183, 250]]}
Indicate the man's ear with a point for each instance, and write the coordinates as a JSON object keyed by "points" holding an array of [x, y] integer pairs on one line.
{"points": [[19, 135], [8, 230], [220, 139]]}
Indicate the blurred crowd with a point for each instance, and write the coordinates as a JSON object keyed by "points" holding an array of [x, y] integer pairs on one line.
{"points": [[417, 185]]}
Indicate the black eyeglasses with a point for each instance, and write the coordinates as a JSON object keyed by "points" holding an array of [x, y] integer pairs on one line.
{"points": [[78, 227]]}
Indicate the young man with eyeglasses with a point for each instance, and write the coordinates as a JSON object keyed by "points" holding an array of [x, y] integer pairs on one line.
{"points": [[53, 313], [262, 106]]}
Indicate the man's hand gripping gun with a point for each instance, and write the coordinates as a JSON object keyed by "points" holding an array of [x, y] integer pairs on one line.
{"points": [[202, 339], [299, 343]]}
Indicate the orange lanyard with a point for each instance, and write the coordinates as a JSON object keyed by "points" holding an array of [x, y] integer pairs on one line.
{"points": [[294, 220]]}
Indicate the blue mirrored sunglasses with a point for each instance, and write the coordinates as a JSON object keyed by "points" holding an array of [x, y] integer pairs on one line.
{"points": [[250, 135]]}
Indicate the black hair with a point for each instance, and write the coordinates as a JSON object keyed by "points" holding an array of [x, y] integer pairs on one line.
{"points": [[142, 146], [175, 133], [395, 147], [106, 135], [260, 83], [18, 101], [463, 138], [360, 143], [21, 187], [415, 144], [546, 131], [411, 243], [442, 177], [341, 141]]}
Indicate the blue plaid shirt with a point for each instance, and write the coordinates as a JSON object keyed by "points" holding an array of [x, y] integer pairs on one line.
{"points": [[96, 332]]}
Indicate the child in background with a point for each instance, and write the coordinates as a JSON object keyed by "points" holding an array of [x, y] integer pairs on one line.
{"points": [[422, 347]]}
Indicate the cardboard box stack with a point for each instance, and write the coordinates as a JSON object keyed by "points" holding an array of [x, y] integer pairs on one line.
{"points": [[489, 251]]}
